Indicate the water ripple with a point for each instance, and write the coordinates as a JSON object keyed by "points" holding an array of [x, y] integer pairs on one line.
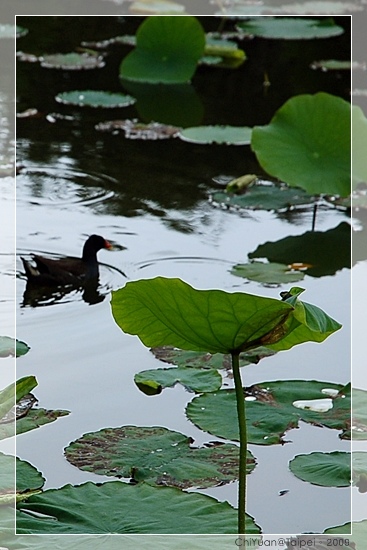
{"points": [[60, 186]]}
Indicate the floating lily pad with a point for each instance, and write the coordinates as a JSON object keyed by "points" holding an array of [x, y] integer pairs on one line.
{"points": [[272, 413], [167, 50], [314, 250], [307, 144], [332, 65], [271, 273], [134, 129], [265, 197], [222, 52], [38, 417], [95, 98], [228, 135], [322, 7], [289, 28], [359, 415], [197, 359], [28, 478], [157, 456], [193, 379], [11, 31], [157, 7], [326, 469], [72, 61], [119, 508], [10, 347], [359, 473]]}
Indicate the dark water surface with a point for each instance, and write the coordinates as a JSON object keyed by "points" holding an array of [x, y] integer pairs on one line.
{"points": [[152, 197]]}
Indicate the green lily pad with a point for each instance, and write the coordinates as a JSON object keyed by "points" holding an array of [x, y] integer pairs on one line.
{"points": [[119, 508], [134, 129], [11, 31], [290, 28], [157, 456], [227, 135], [313, 249], [326, 469], [36, 418], [332, 65], [157, 7], [270, 273], [167, 50], [359, 415], [28, 478], [307, 144], [272, 412], [193, 379], [183, 358], [72, 61], [10, 347], [95, 98], [265, 197], [318, 7], [359, 473]]}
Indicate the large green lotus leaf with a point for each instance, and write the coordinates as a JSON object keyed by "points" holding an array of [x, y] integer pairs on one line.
{"points": [[121, 508], [290, 28], [308, 323], [167, 50], [95, 98], [359, 139], [157, 456], [272, 412], [228, 135], [314, 249], [193, 379], [326, 469], [359, 415], [307, 144], [11, 346], [183, 358], [265, 197], [270, 273], [170, 312], [165, 311]]}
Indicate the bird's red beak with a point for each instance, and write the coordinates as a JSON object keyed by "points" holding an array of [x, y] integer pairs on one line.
{"points": [[107, 245]]}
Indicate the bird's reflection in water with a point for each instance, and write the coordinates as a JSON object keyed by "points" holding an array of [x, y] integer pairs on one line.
{"points": [[38, 296]]}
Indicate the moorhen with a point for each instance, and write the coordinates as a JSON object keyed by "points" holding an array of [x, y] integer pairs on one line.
{"points": [[67, 271]]}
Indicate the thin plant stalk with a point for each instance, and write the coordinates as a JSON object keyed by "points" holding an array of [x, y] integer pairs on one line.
{"points": [[241, 415]]}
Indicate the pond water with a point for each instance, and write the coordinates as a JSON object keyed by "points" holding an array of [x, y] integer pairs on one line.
{"points": [[151, 199]]}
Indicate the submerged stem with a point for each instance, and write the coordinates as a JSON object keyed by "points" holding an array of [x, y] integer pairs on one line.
{"points": [[241, 415]]}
